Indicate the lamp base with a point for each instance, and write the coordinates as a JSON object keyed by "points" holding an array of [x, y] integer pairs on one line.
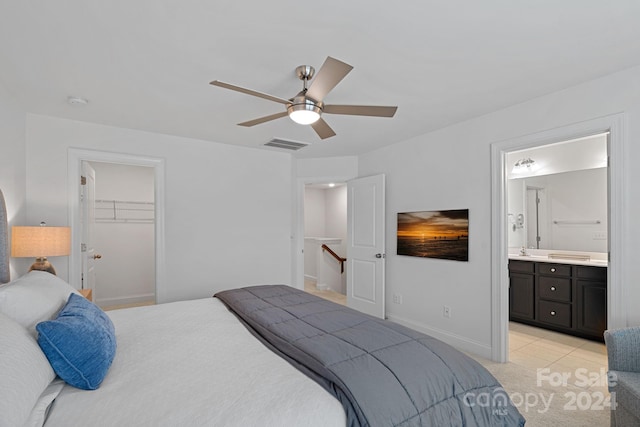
{"points": [[42, 264]]}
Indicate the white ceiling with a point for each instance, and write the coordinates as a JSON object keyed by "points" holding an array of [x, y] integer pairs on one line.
{"points": [[147, 64]]}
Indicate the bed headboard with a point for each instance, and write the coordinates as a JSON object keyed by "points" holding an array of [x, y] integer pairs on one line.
{"points": [[4, 242]]}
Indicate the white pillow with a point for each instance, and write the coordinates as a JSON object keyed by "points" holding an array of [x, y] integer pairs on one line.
{"points": [[35, 297], [40, 411], [24, 370]]}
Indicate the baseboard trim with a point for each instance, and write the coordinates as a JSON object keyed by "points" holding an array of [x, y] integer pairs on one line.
{"points": [[311, 278], [457, 341], [133, 299]]}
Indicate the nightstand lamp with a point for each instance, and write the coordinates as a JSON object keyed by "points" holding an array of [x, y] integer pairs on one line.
{"points": [[40, 242]]}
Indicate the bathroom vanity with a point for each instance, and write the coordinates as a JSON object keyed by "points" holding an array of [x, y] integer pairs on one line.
{"points": [[567, 296]]}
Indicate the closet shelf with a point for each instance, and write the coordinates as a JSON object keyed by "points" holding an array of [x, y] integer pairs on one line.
{"points": [[124, 211]]}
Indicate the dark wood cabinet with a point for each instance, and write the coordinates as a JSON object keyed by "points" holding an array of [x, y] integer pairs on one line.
{"points": [[591, 297], [521, 296], [562, 297]]}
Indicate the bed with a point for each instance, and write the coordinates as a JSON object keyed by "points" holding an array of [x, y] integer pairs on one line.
{"points": [[264, 355]]}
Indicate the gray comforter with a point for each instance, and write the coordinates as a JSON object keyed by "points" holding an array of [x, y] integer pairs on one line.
{"points": [[383, 373]]}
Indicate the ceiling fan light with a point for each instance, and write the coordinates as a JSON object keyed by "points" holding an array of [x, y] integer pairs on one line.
{"points": [[304, 111], [304, 117]]}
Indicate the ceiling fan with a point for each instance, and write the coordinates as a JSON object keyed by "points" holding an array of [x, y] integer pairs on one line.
{"points": [[307, 106]]}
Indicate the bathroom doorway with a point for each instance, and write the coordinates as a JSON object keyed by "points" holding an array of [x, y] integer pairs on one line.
{"points": [[562, 196]]}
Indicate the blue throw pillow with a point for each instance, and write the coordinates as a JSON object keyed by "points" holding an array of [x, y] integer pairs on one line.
{"points": [[80, 343]]}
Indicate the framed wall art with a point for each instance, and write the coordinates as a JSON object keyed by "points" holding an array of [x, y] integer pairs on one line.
{"points": [[434, 234]]}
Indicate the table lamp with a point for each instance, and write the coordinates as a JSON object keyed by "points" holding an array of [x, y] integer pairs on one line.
{"points": [[40, 242]]}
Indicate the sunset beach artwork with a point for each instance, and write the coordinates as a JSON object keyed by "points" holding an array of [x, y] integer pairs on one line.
{"points": [[434, 234]]}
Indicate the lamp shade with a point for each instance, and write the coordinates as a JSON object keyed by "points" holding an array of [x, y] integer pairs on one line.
{"points": [[40, 241]]}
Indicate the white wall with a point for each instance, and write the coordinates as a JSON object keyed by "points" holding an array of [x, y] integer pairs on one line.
{"points": [[314, 212], [336, 216], [12, 168], [126, 272], [328, 167], [228, 209], [451, 169]]}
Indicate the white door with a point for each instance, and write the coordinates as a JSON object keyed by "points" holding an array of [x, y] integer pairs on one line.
{"points": [[87, 221], [366, 245]]}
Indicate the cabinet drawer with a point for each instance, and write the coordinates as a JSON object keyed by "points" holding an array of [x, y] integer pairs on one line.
{"points": [[553, 269], [595, 273], [554, 288], [555, 313], [521, 266]]}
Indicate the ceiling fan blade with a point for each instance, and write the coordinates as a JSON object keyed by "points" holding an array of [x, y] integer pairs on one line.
{"points": [[262, 119], [360, 110], [330, 74], [323, 130], [250, 92]]}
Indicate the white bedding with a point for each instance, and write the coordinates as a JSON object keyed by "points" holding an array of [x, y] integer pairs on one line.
{"points": [[193, 363]]}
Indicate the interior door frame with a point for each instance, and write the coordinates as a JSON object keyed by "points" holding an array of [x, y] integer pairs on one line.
{"points": [[298, 247], [616, 147], [75, 158]]}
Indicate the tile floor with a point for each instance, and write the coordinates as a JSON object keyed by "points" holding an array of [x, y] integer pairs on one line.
{"points": [[533, 347]]}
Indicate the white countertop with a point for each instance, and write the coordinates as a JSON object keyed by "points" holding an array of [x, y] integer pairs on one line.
{"points": [[545, 258]]}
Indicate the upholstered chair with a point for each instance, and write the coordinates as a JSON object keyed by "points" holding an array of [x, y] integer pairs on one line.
{"points": [[623, 350]]}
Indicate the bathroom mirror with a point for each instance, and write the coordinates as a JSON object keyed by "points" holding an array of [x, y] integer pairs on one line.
{"points": [[563, 211], [557, 196]]}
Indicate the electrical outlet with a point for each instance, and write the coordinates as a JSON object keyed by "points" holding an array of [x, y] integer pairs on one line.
{"points": [[397, 298], [600, 235], [446, 311]]}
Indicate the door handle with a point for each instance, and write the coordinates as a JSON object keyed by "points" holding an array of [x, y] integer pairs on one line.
{"points": [[379, 255], [97, 256]]}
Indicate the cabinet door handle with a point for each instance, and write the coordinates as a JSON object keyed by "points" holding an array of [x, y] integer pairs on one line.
{"points": [[553, 270], [553, 313], [553, 288]]}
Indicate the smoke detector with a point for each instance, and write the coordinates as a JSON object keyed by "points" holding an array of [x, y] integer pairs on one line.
{"points": [[77, 101]]}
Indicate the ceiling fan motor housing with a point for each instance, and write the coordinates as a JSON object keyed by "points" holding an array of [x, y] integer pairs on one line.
{"points": [[305, 72]]}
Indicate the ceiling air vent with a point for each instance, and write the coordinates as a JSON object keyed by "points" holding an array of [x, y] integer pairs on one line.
{"points": [[287, 145]]}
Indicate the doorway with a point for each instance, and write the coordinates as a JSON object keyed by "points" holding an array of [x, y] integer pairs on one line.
{"points": [[365, 243], [616, 309], [76, 158], [565, 227], [535, 213], [122, 235], [325, 236]]}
